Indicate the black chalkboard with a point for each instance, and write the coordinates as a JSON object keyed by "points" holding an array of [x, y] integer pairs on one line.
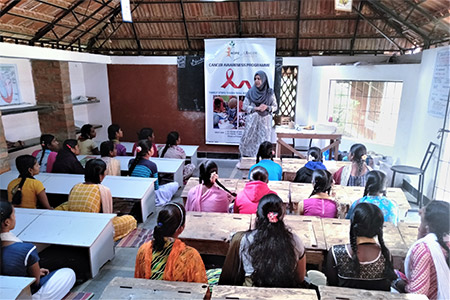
{"points": [[191, 83]]}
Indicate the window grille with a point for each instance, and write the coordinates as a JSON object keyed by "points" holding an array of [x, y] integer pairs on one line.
{"points": [[288, 91]]}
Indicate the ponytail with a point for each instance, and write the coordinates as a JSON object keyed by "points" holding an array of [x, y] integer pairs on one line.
{"points": [[24, 163], [46, 139], [375, 184], [322, 181], [144, 146], [171, 217], [354, 246], [265, 151], [358, 151], [171, 140]]}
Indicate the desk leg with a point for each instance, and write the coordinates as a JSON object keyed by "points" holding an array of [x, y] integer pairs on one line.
{"points": [[278, 149]]}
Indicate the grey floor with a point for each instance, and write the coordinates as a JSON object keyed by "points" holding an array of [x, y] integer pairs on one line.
{"points": [[123, 263]]}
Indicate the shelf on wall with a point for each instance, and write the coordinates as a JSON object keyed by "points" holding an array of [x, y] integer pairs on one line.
{"points": [[85, 102], [26, 144], [6, 110]]}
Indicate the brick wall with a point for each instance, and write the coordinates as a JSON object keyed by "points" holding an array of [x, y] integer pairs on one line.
{"points": [[52, 87], [4, 160]]}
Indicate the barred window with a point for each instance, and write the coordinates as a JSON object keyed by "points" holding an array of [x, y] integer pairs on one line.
{"points": [[288, 91]]}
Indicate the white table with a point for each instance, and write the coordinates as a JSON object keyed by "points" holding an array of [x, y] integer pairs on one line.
{"points": [[94, 231], [9, 176], [15, 287], [190, 150], [165, 165]]}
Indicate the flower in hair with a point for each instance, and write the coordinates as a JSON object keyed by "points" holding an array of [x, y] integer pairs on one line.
{"points": [[364, 157], [160, 224], [138, 149], [273, 217]]}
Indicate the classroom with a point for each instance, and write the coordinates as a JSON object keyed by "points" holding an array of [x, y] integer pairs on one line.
{"points": [[224, 149]]}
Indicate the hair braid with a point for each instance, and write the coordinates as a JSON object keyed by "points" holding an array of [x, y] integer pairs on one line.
{"points": [[441, 242], [388, 268], [354, 245]]}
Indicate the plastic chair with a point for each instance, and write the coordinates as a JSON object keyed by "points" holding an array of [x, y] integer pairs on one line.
{"points": [[416, 171]]}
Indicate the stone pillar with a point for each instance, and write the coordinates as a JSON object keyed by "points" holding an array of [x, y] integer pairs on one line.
{"points": [[4, 159], [52, 87]]}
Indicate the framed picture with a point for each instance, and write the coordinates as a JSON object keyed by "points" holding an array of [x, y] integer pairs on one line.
{"points": [[9, 85]]}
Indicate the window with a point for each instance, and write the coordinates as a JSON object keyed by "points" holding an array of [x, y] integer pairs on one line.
{"points": [[288, 92], [365, 110]]}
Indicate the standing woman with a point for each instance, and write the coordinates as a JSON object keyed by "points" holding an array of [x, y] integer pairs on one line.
{"points": [[259, 103], [46, 157]]}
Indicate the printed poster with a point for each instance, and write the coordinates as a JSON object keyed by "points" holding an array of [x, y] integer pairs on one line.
{"points": [[9, 85], [230, 65]]}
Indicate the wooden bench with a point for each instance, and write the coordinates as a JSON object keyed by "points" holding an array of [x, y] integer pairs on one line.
{"points": [[92, 231], [15, 287], [247, 162], [339, 293], [250, 293], [138, 288]]}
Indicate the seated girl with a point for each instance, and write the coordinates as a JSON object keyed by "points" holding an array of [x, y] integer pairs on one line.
{"points": [[66, 161], [26, 191], [248, 199], [146, 134], [207, 196], [91, 196], [375, 193], [264, 159], [108, 152], [268, 256], [115, 133], [428, 260], [166, 257], [315, 162], [141, 166], [364, 263], [172, 150], [85, 140], [354, 174], [46, 157], [22, 259], [319, 203]]}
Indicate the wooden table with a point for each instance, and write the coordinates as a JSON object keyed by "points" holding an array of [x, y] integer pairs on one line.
{"points": [[15, 287], [339, 293], [337, 231], [250, 293], [210, 233], [247, 162], [291, 166], [138, 288], [335, 140], [409, 232], [282, 188]]}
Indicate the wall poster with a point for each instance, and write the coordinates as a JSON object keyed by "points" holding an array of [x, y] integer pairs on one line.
{"points": [[9, 85]]}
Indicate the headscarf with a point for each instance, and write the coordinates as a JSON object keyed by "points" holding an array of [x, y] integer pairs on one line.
{"points": [[261, 95]]}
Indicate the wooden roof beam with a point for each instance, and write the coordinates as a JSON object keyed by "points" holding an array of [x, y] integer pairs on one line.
{"points": [[352, 43], [430, 17], [8, 7]]}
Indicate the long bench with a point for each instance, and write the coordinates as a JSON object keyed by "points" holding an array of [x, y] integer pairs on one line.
{"points": [[92, 231]]}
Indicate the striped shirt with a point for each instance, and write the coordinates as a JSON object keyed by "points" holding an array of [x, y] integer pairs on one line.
{"points": [[146, 169]]}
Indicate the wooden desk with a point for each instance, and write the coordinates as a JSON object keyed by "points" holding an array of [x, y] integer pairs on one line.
{"points": [[77, 229], [337, 231], [210, 233], [338, 293], [409, 232], [291, 166], [247, 162], [250, 293], [280, 187], [15, 287], [138, 288], [335, 140]]}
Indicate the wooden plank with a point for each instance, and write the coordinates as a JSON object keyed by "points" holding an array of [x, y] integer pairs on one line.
{"points": [[193, 181], [409, 232], [242, 292], [138, 288], [339, 293], [309, 229], [291, 166]]}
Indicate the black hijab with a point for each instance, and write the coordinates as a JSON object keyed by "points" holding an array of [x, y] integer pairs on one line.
{"points": [[261, 95]]}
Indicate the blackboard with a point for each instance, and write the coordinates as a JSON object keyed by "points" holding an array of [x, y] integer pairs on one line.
{"points": [[191, 83]]}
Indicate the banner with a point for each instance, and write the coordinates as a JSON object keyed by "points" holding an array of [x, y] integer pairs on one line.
{"points": [[230, 65]]}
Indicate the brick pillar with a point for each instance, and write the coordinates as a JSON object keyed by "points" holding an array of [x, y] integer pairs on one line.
{"points": [[52, 87], [4, 159]]}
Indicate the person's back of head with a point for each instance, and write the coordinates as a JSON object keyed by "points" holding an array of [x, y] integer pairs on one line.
{"points": [[68, 145], [375, 184], [145, 133], [205, 170], [367, 221], [142, 149], [107, 149], [322, 181], [436, 218], [265, 151], [113, 129], [259, 173], [94, 170], [85, 131], [170, 219], [6, 210], [272, 251], [24, 164], [172, 140], [357, 152], [315, 154]]}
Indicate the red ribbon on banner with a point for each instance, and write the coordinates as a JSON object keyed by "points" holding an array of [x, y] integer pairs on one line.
{"points": [[230, 81]]}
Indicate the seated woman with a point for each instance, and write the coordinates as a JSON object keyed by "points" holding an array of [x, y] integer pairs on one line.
{"points": [[108, 151], [364, 263], [172, 150], [92, 196], [166, 257], [264, 159], [141, 166], [86, 142], [248, 199], [375, 193], [47, 155], [428, 260], [207, 196], [354, 174], [115, 133], [146, 134], [66, 161], [21, 259], [315, 162], [319, 203], [26, 191], [247, 261]]}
